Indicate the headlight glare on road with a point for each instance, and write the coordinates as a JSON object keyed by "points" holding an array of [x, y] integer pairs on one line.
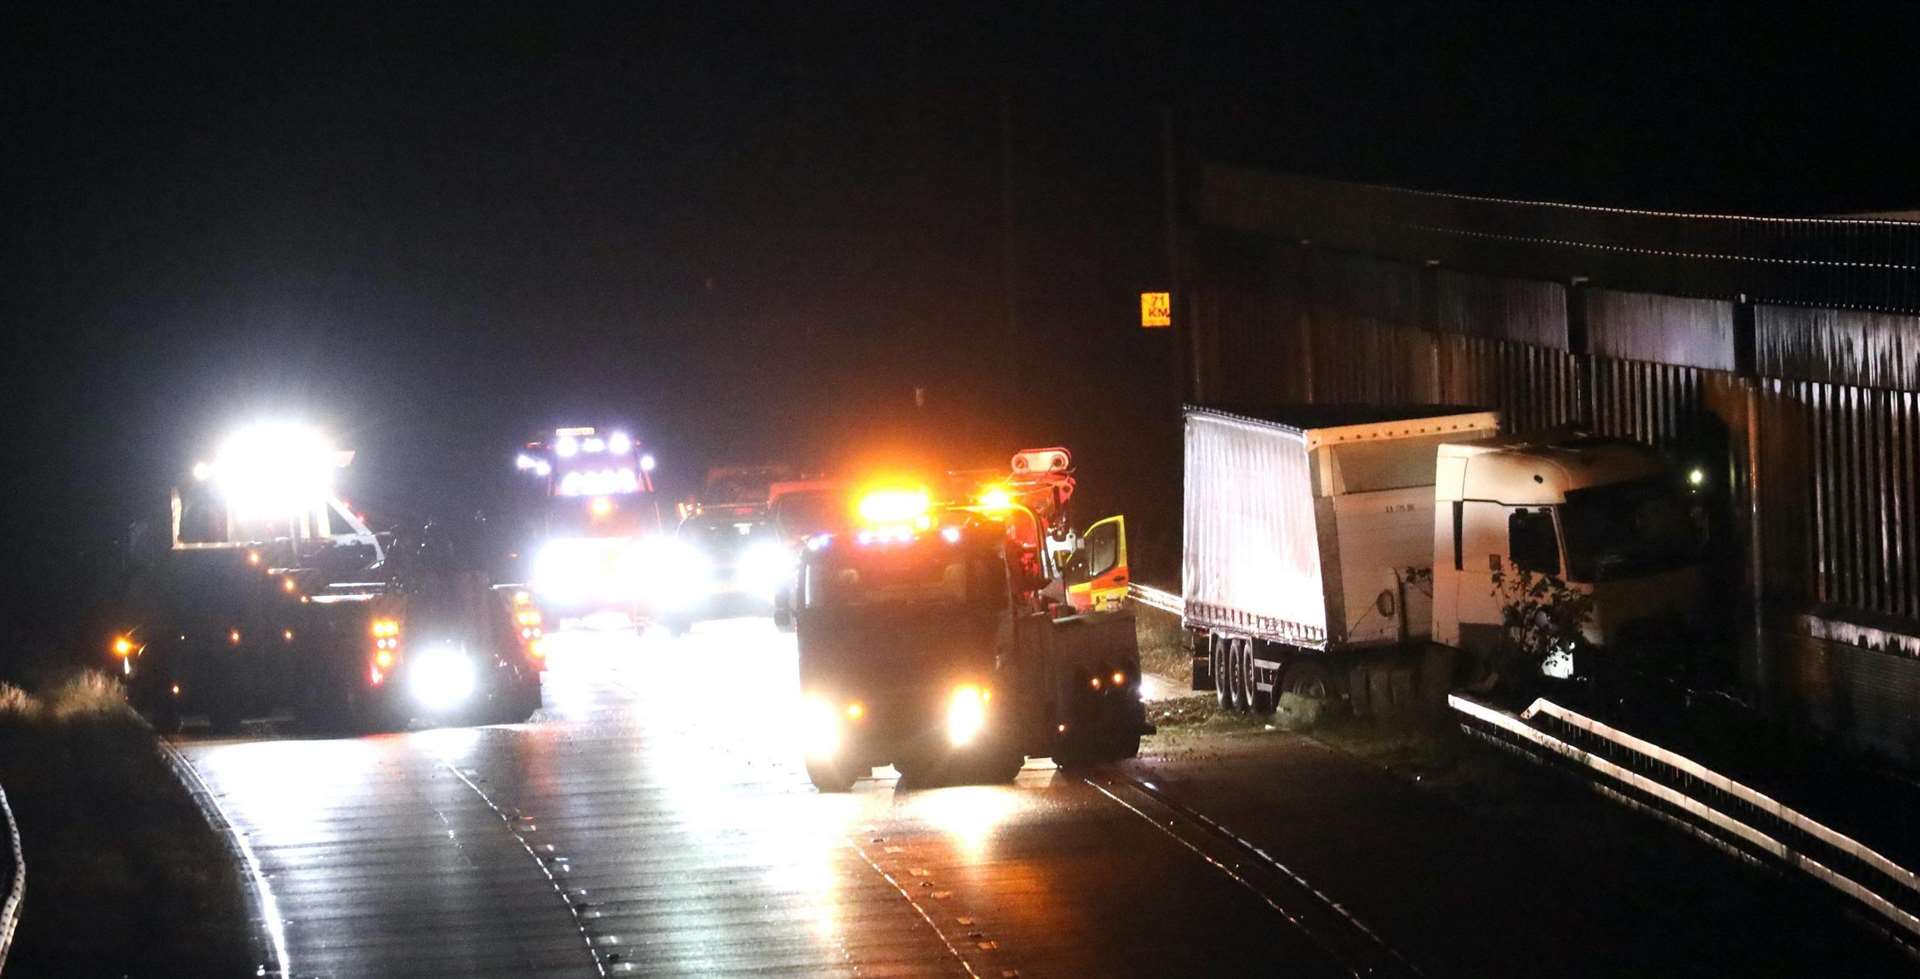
{"points": [[966, 715], [441, 678], [819, 728]]}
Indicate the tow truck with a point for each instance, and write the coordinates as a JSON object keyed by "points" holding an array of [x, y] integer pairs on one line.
{"points": [[598, 526], [275, 595], [938, 634]]}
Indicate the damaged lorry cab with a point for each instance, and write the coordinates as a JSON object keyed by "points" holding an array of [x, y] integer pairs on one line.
{"points": [[1317, 531], [932, 639], [1603, 515]]}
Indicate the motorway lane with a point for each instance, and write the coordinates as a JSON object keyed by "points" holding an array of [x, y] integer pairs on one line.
{"points": [[655, 820]]}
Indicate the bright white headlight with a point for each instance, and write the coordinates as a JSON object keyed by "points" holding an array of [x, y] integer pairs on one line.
{"points": [[671, 572], [765, 566], [441, 677], [966, 715], [819, 728]]}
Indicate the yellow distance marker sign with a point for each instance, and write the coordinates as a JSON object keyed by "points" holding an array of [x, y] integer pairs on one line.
{"points": [[1156, 309]]}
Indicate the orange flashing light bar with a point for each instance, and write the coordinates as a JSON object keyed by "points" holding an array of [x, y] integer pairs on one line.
{"points": [[894, 506]]}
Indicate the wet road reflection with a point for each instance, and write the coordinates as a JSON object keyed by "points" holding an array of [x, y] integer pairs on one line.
{"points": [[655, 819]]}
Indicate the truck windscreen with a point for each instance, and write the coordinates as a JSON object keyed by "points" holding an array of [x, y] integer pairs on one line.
{"points": [[908, 579], [1627, 531], [802, 514]]}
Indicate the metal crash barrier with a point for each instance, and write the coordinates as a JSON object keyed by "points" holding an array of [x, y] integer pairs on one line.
{"points": [[1154, 598], [1726, 812], [16, 881]]}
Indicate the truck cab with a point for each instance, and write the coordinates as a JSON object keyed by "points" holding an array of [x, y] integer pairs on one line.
{"points": [[1604, 516], [596, 553], [276, 595], [936, 638]]}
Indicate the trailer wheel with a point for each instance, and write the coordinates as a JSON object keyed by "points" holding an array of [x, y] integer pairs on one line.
{"points": [[830, 776], [1217, 660], [1262, 701], [1239, 665]]}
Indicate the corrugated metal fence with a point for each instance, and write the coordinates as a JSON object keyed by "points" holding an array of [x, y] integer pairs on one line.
{"points": [[1838, 465], [1787, 350]]}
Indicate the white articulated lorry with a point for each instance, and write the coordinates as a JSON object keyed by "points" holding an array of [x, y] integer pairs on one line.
{"points": [[1320, 530]]}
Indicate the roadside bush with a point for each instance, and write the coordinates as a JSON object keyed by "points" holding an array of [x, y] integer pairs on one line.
{"points": [[1163, 645], [1540, 614], [17, 705], [89, 694]]}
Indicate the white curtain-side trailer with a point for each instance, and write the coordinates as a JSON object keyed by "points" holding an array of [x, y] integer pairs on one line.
{"points": [[1309, 531]]}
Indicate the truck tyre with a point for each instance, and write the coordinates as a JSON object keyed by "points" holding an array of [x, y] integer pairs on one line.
{"points": [[1239, 662], [1217, 661], [1310, 681], [994, 765], [1262, 701], [1307, 679], [830, 776]]}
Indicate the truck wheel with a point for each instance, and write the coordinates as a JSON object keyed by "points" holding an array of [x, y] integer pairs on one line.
{"points": [[994, 765], [1262, 701], [1309, 681], [1217, 660], [830, 776], [1239, 660]]}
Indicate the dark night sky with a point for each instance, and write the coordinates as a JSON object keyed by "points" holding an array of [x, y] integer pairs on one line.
{"points": [[751, 231]]}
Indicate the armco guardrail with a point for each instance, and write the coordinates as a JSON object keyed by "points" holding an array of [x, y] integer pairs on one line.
{"points": [[1728, 812], [1151, 597], [16, 881]]}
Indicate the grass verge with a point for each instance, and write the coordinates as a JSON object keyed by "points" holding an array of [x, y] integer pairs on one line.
{"points": [[1163, 644], [124, 876]]}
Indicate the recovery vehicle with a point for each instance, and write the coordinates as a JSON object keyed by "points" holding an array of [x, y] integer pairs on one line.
{"points": [[1313, 533], [276, 596], [598, 548], [935, 634]]}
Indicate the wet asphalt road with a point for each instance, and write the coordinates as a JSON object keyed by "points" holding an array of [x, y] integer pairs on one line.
{"points": [[655, 820]]}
